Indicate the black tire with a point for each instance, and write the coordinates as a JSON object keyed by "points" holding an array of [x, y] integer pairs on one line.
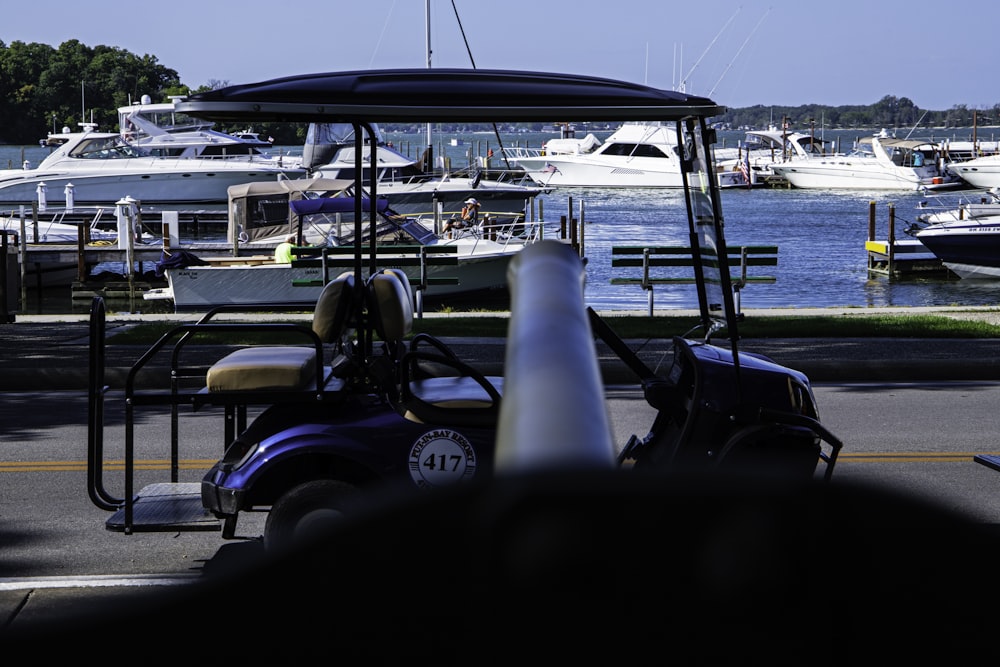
{"points": [[770, 450], [307, 510]]}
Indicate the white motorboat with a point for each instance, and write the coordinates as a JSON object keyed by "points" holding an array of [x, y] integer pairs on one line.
{"points": [[329, 153], [103, 167], [326, 221], [979, 172], [636, 155], [760, 149], [880, 162], [56, 229], [61, 227], [966, 206]]}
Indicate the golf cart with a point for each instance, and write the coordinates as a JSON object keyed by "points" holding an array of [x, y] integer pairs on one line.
{"points": [[360, 403]]}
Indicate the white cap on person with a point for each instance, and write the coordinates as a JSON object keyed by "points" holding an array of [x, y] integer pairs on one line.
{"points": [[471, 200]]}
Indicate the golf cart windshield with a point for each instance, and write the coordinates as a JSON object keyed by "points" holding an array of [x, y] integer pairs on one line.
{"points": [[715, 294], [367, 97]]}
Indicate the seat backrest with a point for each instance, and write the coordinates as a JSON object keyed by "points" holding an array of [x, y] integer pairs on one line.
{"points": [[332, 317], [405, 280], [389, 306]]}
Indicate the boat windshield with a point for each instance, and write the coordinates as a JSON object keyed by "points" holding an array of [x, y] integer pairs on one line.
{"points": [[338, 133], [105, 148], [166, 120]]}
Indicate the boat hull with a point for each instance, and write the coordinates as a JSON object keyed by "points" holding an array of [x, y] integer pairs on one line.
{"points": [[979, 173], [842, 173], [971, 249], [197, 288], [152, 186]]}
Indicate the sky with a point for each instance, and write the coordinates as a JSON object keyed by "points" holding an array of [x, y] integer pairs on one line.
{"points": [[739, 53]]}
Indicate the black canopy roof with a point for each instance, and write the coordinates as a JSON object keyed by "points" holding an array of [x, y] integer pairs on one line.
{"points": [[425, 95]]}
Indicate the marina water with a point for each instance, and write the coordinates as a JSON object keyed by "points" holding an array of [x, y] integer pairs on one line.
{"points": [[820, 234]]}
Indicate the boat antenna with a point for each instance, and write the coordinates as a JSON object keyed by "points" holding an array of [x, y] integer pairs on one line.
{"points": [[468, 50], [382, 34], [742, 46], [684, 81], [915, 125]]}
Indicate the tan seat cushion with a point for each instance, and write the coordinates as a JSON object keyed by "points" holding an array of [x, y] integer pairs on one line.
{"points": [[263, 368]]}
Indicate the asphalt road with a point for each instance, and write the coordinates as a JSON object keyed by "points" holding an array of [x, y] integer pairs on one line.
{"points": [[913, 437], [58, 559]]}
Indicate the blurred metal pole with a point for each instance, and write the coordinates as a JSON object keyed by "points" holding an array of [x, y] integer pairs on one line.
{"points": [[553, 414]]}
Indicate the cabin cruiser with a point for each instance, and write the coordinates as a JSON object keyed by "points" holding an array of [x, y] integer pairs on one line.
{"points": [[880, 162], [637, 155], [98, 168]]}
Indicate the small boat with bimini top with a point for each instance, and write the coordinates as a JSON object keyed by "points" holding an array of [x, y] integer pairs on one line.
{"points": [[261, 215]]}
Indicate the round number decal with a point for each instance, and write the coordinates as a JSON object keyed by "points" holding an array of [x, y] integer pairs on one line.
{"points": [[441, 457]]}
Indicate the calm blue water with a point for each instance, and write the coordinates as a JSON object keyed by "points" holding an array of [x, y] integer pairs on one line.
{"points": [[820, 234]]}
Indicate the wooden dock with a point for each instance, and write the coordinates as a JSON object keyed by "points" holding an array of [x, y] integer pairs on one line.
{"points": [[37, 266], [899, 257]]}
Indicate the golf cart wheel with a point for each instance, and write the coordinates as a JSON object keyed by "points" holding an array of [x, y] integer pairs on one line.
{"points": [[306, 511], [773, 450]]}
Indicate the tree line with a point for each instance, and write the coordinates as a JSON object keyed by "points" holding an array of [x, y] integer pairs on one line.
{"points": [[43, 89]]}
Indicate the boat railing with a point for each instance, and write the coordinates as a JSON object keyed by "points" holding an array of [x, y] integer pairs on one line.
{"points": [[507, 230], [516, 152]]}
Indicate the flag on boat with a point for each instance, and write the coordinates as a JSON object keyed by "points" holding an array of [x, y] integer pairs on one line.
{"points": [[745, 168], [550, 168]]}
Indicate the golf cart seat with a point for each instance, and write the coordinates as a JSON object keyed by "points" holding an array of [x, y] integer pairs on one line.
{"points": [[434, 385], [294, 367]]}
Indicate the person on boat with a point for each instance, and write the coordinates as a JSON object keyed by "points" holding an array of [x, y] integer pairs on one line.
{"points": [[469, 217], [283, 253]]}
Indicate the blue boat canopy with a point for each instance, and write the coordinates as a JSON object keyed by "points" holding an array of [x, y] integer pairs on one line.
{"points": [[334, 205]]}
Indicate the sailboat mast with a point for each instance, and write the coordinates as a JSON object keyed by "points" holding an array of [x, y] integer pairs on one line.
{"points": [[429, 165]]}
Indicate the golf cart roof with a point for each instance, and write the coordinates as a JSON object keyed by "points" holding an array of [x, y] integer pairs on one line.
{"points": [[425, 95]]}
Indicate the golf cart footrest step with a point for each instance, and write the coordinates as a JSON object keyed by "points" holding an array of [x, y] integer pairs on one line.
{"points": [[988, 460], [165, 507]]}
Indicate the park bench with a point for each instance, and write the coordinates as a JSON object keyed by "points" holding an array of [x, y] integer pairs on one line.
{"points": [[662, 265]]}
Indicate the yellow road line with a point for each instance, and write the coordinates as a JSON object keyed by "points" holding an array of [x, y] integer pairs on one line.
{"points": [[73, 466], [908, 457]]}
